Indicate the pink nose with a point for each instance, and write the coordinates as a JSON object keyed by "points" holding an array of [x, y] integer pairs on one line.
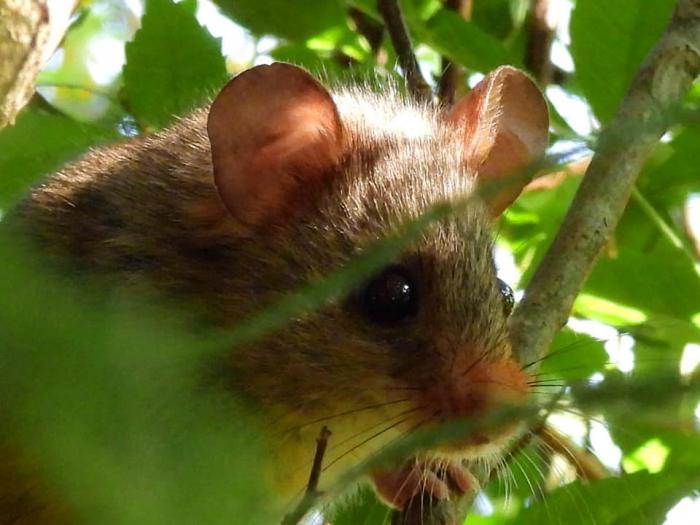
{"points": [[472, 386]]}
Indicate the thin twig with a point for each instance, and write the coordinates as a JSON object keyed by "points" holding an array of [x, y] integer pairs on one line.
{"points": [[539, 42], [312, 493], [316, 467], [600, 201], [396, 26], [369, 28], [452, 76]]}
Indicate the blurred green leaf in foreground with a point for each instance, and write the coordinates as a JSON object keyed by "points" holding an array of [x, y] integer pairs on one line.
{"points": [[105, 392]]}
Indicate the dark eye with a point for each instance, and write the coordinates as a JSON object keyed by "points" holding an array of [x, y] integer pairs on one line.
{"points": [[508, 297], [390, 296]]}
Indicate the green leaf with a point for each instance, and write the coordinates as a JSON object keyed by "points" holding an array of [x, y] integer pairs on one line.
{"points": [[628, 499], [669, 183], [362, 508], [659, 343], [462, 41], [495, 17], [369, 7], [651, 456], [659, 281], [606, 311], [38, 144], [644, 274], [669, 426], [291, 19], [574, 356], [303, 56], [172, 65], [110, 399], [609, 41]]}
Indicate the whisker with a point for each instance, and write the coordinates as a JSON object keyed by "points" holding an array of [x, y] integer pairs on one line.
{"points": [[403, 484], [381, 423], [524, 473], [565, 452], [494, 382], [541, 494], [476, 362], [575, 411], [573, 491], [575, 345], [507, 479], [544, 394], [554, 372], [574, 368], [363, 442], [402, 388], [405, 433], [373, 455], [335, 446], [345, 413], [534, 464]]}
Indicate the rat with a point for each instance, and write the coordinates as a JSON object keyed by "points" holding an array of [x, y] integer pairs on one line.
{"points": [[282, 181]]}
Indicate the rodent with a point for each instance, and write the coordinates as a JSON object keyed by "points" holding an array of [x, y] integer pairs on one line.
{"points": [[280, 182]]}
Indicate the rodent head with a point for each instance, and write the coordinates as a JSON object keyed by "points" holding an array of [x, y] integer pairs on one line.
{"points": [[312, 178]]}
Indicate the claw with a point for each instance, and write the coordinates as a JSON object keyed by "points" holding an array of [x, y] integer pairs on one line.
{"points": [[464, 480], [398, 487]]}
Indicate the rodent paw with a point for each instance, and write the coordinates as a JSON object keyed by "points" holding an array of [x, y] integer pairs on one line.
{"points": [[436, 479]]}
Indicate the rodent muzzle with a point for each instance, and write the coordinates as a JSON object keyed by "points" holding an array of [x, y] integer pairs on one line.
{"points": [[476, 387]]}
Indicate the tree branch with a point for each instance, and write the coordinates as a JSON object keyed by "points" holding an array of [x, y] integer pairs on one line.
{"points": [[29, 33], [539, 42], [393, 19], [600, 201], [589, 225]]}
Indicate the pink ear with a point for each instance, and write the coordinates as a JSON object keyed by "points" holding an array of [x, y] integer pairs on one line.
{"points": [[275, 133], [505, 124]]}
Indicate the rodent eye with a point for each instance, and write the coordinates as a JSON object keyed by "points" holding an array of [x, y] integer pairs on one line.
{"points": [[391, 296], [508, 297]]}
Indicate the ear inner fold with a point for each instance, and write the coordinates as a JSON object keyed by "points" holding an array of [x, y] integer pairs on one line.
{"points": [[275, 134], [505, 123]]}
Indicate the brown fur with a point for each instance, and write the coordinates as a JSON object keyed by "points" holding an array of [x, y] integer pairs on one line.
{"points": [[146, 212]]}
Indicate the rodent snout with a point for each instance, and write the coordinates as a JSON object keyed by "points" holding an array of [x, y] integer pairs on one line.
{"points": [[473, 386]]}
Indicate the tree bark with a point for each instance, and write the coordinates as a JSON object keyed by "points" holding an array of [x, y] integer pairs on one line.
{"points": [[29, 33]]}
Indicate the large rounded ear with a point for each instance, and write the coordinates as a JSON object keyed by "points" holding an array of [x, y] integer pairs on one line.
{"points": [[275, 134], [505, 124]]}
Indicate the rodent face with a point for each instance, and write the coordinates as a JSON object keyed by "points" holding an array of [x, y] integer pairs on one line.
{"points": [[448, 359], [326, 175], [303, 180]]}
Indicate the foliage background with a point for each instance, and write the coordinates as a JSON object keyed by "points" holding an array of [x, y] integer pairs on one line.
{"points": [[637, 319]]}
